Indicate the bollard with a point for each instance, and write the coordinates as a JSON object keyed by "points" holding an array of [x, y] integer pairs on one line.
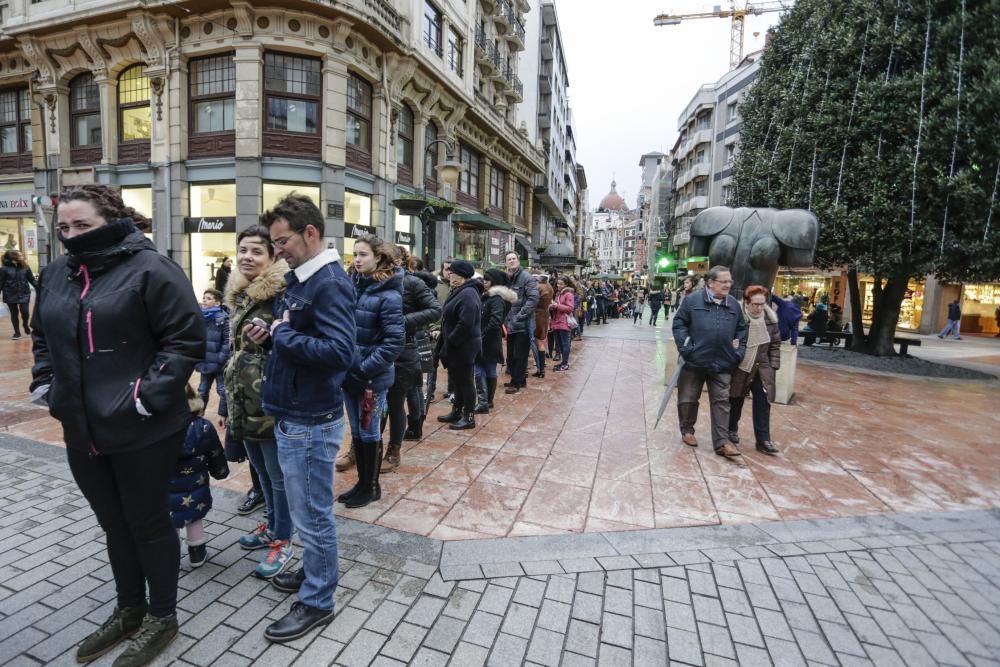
{"points": [[785, 381]]}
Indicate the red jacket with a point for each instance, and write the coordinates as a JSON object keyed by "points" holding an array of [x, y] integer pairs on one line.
{"points": [[562, 306]]}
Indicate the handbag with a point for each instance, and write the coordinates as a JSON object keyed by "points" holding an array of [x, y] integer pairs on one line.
{"points": [[425, 351], [572, 322]]}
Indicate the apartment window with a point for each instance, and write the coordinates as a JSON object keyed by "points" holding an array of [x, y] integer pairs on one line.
{"points": [[292, 87], [15, 121], [498, 180], [359, 113], [85, 109], [730, 153], [726, 192], [404, 140], [135, 122], [699, 157], [469, 181], [430, 153], [520, 199], [213, 94], [456, 48], [700, 189], [432, 27], [732, 112]]}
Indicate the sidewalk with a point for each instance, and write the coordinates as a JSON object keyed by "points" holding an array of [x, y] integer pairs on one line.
{"points": [[906, 589]]}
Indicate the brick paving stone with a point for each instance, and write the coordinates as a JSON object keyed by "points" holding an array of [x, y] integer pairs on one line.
{"points": [[683, 646], [649, 651], [545, 647], [507, 650], [591, 582], [561, 588], [649, 623], [554, 616], [587, 607], [425, 611], [751, 656], [482, 629], [618, 601], [679, 616], [648, 594], [617, 630], [784, 653], [529, 592], [520, 620], [583, 638], [426, 657], [320, 652], [715, 640], [445, 634], [404, 641], [495, 599], [773, 624], [841, 638], [614, 656]]}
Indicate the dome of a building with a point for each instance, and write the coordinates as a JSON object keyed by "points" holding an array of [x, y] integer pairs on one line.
{"points": [[612, 201]]}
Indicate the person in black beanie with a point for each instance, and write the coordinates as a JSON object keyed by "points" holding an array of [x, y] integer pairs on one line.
{"points": [[460, 342], [117, 333]]}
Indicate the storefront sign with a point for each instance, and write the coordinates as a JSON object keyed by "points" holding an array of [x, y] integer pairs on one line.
{"points": [[353, 231], [497, 247], [16, 202], [217, 225], [405, 238], [30, 240]]}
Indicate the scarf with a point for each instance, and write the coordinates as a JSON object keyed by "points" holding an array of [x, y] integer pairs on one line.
{"points": [[758, 336], [98, 239]]}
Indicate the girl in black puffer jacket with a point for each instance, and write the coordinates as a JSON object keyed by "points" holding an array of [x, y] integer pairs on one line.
{"points": [[16, 281], [420, 310], [497, 300], [381, 333]]}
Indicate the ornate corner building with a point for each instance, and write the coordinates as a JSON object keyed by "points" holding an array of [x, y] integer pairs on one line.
{"points": [[206, 113]]}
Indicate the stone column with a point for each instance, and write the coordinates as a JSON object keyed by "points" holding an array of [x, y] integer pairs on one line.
{"points": [[108, 92], [249, 93], [485, 173], [419, 139], [510, 190], [334, 111], [784, 389]]}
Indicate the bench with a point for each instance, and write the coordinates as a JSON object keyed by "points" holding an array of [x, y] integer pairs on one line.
{"points": [[828, 337]]}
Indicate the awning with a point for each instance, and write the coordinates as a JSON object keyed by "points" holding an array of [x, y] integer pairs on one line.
{"points": [[529, 247], [480, 221]]}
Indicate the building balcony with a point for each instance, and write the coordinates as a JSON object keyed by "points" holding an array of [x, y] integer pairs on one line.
{"points": [[516, 35], [695, 203], [505, 17], [544, 121], [697, 170], [545, 83], [486, 50], [514, 89], [547, 49]]}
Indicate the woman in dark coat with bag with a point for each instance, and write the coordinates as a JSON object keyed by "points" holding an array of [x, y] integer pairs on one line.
{"points": [[16, 281], [497, 300], [460, 342], [757, 372], [420, 310], [381, 334]]}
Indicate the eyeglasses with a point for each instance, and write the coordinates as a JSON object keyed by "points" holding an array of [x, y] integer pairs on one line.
{"points": [[721, 282], [282, 242]]}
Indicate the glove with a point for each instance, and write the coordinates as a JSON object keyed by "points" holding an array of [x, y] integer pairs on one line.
{"points": [[40, 396]]}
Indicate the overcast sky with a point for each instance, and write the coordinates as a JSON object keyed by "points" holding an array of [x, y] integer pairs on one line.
{"points": [[630, 80]]}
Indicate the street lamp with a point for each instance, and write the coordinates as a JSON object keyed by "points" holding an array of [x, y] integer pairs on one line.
{"points": [[428, 208]]}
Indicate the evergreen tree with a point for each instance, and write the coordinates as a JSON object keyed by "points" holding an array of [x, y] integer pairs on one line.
{"points": [[881, 117]]}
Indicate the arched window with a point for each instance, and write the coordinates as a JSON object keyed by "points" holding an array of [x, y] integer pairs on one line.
{"points": [[85, 119], [135, 123], [430, 156], [404, 144], [359, 123]]}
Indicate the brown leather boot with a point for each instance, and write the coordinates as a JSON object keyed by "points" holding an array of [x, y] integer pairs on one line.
{"points": [[349, 461], [391, 460], [689, 439], [728, 450]]}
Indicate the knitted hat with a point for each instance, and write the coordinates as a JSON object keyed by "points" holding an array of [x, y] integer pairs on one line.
{"points": [[496, 276], [462, 268]]}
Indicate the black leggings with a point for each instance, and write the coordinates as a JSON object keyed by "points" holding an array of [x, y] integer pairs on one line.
{"points": [[518, 349], [406, 379], [23, 308], [130, 495]]}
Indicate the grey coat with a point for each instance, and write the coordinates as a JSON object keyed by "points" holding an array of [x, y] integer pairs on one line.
{"points": [[522, 313]]}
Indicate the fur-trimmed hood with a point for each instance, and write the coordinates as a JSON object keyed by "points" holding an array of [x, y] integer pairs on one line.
{"points": [[265, 286], [505, 293]]}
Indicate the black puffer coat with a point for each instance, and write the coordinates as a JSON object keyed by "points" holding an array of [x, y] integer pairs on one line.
{"points": [[420, 310], [111, 325], [496, 304], [460, 341], [14, 283]]}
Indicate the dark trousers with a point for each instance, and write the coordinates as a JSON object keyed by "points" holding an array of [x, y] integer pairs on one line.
{"points": [[406, 379], [129, 493], [415, 399], [654, 314], [23, 309], [205, 388], [518, 348], [761, 411], [465, 386], [689, 385]]}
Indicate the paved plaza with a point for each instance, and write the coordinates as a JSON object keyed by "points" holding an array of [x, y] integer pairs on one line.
{"points": [[873, 538]]}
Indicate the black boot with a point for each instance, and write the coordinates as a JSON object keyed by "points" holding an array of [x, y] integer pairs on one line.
{"points": [[491, 390], [482, 397], [467, 422], [368, 467], [356, 449], [451, 417], [414, 429]]}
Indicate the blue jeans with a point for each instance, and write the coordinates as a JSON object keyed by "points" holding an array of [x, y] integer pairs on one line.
{"points": [[564, 341], [952, 325], [205, 386], [307, 452], [263, 455], [487, 370], [352, 402], [535, 354]]}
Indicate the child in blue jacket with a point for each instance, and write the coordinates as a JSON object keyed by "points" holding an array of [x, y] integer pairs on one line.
{"points": [[190, 495], [217, 348]]}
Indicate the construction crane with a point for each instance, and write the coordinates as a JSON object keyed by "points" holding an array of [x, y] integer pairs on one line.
{"points": [[737, 15]]}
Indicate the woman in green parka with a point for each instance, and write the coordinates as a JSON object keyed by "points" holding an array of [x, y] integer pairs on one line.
{"points": [[250, 294]]}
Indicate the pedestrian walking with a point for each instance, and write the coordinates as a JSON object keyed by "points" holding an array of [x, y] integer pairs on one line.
{"points": [[118, 318], [540, 334], [216, 348], [711, 337], [954, 321], [666, 298], [16, 282], [497, 300], [201, 455], [381, 336], [757, 372], [639, 305], [313, 348], [420, 310], [562, 309], [222, 275], [251, 295], [655, 303], [460, 343], [520, 323]]}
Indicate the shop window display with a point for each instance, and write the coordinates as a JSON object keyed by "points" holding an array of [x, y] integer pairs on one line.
{"points": [[357, 211], [470, 244], [210, 201], [979, 305], [274, 192], [910, 310], [20, 234]]}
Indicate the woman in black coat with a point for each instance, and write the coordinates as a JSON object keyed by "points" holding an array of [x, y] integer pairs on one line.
{"points": [[16, 281], [117, 332], [461, 342], [420, 310], [497, 300]]}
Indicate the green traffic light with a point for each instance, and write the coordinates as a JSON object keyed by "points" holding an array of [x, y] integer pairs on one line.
{"points": [[664, 262]]}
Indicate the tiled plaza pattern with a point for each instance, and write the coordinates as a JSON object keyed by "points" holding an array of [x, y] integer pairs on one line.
{"points": [[905, 590], [577, 451]]}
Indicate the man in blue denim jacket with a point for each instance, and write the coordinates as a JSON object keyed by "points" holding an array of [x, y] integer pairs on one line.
{"points": [[711, 335], [312, 340]]}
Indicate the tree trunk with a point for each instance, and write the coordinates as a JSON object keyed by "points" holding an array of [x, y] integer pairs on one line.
{"points": [[860, 340], [885, 315]]}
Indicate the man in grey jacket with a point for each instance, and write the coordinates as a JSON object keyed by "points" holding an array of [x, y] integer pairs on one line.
{"points": [[520, 323], [711, 335]]}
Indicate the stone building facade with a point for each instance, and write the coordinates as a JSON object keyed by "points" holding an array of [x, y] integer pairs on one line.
{"points": [[205, 114]]}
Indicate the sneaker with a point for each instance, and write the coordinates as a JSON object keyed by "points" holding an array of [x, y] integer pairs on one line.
{"points": [[149, 642], [260, 538], [123, 624], [276, 560], [197, 555], [253, 500]]}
